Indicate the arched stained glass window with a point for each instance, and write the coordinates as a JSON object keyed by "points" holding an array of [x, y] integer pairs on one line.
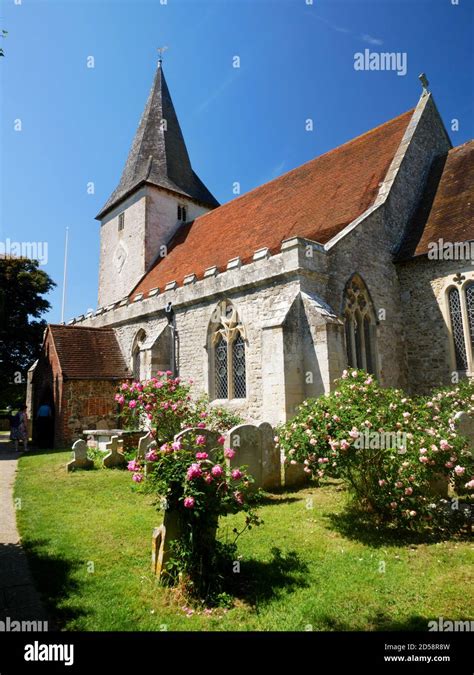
{"points": [[220, 368], [368, 344], [229, 351], [359, 319], [457, 328], [238, 365]]}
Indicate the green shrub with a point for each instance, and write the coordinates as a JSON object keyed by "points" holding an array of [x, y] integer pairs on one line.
{"points": [[388, 448]]}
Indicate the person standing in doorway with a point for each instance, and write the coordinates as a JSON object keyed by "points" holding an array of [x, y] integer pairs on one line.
{"points": [[20, 428], [43, 420]]}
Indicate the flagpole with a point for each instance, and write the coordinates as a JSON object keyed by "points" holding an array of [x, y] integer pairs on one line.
{"points": [[64, 276]]}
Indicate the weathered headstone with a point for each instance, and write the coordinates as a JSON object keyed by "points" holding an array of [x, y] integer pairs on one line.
{"points": [[465, 427], [115, 457], [294, 473], [271, 460], [245, 440], [162, 537], [80, 461], [144, 444]]}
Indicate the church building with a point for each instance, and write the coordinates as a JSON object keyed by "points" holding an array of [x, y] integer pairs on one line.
{"points": [[360, 257]]}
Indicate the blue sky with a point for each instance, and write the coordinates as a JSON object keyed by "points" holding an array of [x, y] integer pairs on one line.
{"points": [[245, 125]]}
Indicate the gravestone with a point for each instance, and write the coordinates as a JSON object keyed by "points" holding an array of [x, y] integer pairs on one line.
{"points": [[294, 474], [144, 444], [271, 459], [161, 540], [245, 440], [115, 457], [80, 461], [211, 445], [465, 427]]}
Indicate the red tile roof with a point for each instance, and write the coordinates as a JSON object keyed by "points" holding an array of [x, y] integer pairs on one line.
{"points": [[88, 353], [447, 208], [316, 200]]}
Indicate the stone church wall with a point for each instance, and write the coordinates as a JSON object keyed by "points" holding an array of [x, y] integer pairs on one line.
{"points": [[429, 346]]}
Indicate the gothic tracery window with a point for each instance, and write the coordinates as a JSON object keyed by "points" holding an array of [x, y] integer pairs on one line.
{"points": [[461, 315], [228, 348], [359, 320]]}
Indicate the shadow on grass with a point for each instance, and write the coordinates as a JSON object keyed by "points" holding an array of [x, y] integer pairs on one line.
{"points": [[260, 581], [270, 499], [359, 526], [53, 578], [380, 622]]}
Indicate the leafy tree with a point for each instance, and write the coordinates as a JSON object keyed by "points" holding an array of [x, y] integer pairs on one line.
{"points": [[22, 287]]}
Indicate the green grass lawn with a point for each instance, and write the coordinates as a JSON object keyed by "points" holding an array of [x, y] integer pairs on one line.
{"points": [[309, 566]]}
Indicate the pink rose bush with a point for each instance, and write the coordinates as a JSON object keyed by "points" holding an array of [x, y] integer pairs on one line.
{"points": [[389, 449], [198, 486], [165, 404]]}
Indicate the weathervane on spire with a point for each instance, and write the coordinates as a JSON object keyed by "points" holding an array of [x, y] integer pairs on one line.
{"points": [[161, 51], [424, 83]]}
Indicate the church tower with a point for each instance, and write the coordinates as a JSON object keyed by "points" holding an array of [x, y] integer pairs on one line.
{"points": [[158, 192]]}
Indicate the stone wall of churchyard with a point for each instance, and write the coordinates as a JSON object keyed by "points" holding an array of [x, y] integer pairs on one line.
{"points": [[429, 344], [84, 405]]}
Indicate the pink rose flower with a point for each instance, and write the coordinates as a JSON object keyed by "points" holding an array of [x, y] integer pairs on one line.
{"points": [[132, 404], [133, 465], [194, 471], [399, 484], [408, 491], [189, 502], [236, 474], [459, 470], [176, 445], [124, 386], [239, 497], [449, 465], [221, 440], [345, 444], [382, 482], [229, 453], [217, 471], [151, 455], [137, 477], [424, 459], [208, 478], [200, 440], [201, 455], [444, 445]]}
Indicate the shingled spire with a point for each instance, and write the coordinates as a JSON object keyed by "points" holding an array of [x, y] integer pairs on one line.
{"points": [[158, 154]]}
